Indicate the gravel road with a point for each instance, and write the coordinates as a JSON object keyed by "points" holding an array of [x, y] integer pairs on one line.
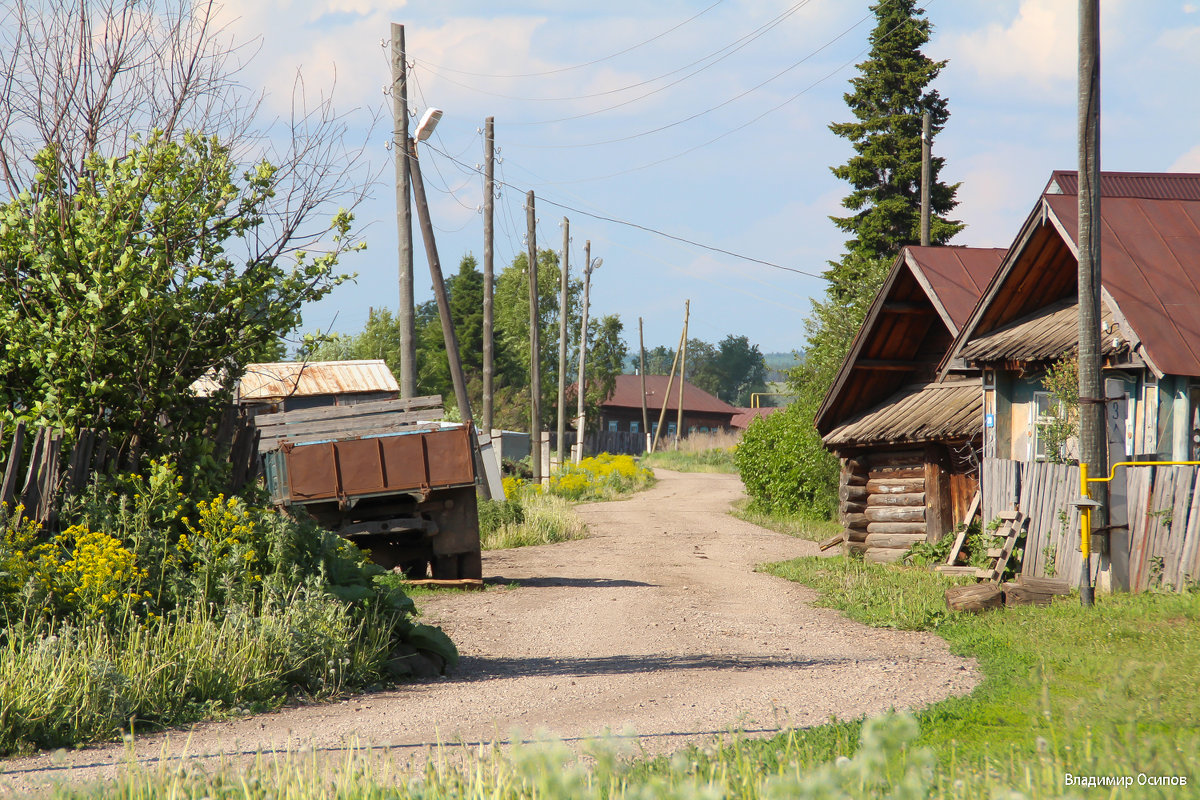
{"points": [[657, 623]]}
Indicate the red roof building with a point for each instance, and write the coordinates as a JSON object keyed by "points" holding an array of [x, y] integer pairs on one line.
{"points": [[702, 412]]}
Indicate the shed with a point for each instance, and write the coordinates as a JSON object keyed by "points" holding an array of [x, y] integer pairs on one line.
{"points": [[295, 385], [906, 440]]}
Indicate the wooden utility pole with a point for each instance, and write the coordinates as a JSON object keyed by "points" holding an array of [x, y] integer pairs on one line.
{"points": [[926, 177], [443, 302], [535, 366], [642, 372], [662, 415], [562, 341], [1092, 439], [408, 341], [687, 308], [489, 214], [588, 266]]}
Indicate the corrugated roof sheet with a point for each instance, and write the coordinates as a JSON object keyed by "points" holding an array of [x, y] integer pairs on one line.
{"points": [[918, 413], [956, 275], [628, 394], [1144, 185], [744, 416], [299, 379], [1042, 336], [1150, 265]]}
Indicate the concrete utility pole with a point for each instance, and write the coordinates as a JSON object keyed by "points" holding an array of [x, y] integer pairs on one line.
{"points": [[687, 309], [1092, 438], [588, 266], [489, 285], [562, 341], [535, 366], [443, 302], [926, 177], [408, 341], [642, 372]]}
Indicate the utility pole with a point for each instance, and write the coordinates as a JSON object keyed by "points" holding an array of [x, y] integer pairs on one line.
{"points": [[535, 367], [408, 341], [1092, 439], [489, 285], [562, 341], [588, 266], [662, 415], [926, 177], [443, 303], [687, 308], [642, 372]]}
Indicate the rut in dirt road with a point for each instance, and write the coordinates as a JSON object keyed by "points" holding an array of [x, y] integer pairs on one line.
{"points": [[657, 623]]}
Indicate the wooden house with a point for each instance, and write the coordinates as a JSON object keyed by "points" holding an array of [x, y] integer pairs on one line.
{"points": [[908, 440], [702, 413], [1150, 317]]}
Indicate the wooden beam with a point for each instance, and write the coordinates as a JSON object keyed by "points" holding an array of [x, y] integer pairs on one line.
{"points": [[883, 364], [902, 307]]}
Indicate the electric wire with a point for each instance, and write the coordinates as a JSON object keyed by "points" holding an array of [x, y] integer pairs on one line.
{"points": [[593, 62]]}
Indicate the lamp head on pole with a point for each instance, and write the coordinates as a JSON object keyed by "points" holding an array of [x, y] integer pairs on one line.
{"points": [[596, 262], [428, 123]]}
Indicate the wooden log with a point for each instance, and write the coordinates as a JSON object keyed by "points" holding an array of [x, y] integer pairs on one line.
{"points": [[855, 534], [853, 479], [850, 507], [445, 583], [856, 494], [896, 527], [895, 514], [901, 499], [894, 541], [855, 547], [855, 520], [895, 485], [939, 502], [854, 465], [898, 472], [901, 458], [976, 597], [878, 556], [1046, 585], [832, 541], [1017, 595]]}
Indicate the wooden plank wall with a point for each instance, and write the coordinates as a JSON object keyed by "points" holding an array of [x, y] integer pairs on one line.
{"points": [[1001, 482], [1052, 541]]}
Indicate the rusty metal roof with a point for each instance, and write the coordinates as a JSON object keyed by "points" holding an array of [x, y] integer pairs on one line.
{"points": [[1144, 185], [744, 416], [627, 393], [1044, 335], [299, 379], [954, 277], [919, 413]]}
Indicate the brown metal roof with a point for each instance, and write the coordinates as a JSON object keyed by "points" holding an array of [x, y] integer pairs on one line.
{"points": [[744, 416], [1146, 185], [919, 413], [1042, 336], [299, 379], [627, 393], [955, 276], [1150, 266]]}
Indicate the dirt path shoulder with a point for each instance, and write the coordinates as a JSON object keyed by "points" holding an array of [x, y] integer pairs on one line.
{"points": [[656, 623]]}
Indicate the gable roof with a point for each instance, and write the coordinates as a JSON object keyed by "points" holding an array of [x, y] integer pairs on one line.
{"points": [[300, 379], [744, 416], [923, 302], [627, 393], [918, 413], [1150, 264]]}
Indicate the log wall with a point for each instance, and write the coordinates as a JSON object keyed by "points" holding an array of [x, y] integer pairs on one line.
{"points": [[883, 503]]}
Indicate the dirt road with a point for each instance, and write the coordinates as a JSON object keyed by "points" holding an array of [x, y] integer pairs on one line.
{"points": [[656, 623]]}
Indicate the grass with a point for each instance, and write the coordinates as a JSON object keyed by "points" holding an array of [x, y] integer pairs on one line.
{"points": [[534, 519], [699, 452], [815, 530]]}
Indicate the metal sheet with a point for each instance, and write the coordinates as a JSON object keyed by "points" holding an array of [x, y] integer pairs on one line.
{"points": [[301, 379], [360, 466], [404, 461], [312, 471], [448, 454]]}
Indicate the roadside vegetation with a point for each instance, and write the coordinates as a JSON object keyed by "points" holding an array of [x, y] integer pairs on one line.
{"points": [[1066, 691], [150, 609], [698, 452], [801, 526]]}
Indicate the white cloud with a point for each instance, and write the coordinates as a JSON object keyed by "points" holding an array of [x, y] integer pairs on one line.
{"points": [[1188, 162], [1037, 47]]}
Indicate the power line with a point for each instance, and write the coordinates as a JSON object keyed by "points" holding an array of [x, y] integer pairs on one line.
{"points": [[586, 63]]}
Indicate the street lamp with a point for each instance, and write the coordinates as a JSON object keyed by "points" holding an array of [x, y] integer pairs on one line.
{"points": [[588, 266]]}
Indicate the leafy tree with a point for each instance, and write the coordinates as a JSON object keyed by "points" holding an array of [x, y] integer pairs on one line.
{"points": [[121, 287], [742, 370], [888, 100], [379, 338], [606, 355], [658, 360]]}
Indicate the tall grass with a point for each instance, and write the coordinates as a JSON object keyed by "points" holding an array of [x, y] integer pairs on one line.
{"points": [[802, 526], [697, 452], [532, 519]]}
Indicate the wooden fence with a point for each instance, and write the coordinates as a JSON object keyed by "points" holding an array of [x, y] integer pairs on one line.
{"points": [[615, 442], [38, 474], [1159, 547]]}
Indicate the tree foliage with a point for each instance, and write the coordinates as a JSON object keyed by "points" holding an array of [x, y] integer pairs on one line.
{"points": [[122, 286], [889, 97], [732, 369]]}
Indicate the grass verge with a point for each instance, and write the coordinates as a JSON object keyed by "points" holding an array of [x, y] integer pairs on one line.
{"points": [[532, 519], [803, 527], [699, 452]]}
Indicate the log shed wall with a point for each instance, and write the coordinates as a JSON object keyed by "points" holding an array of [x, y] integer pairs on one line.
{"points": [[883, 503]]}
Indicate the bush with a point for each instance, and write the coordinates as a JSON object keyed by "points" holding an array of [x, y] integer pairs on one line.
{"points": [[784, 466]]}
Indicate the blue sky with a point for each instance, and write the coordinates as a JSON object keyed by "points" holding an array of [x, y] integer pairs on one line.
{"points": [[763, 188]]}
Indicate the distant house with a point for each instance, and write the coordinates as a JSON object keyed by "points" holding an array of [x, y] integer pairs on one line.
{"points": [[702, 412], [744, 416], [907, 440], [1150, 311], [290, 386]]}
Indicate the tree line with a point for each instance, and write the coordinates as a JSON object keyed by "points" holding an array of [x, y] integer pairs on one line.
{"points": [[733, 369]]}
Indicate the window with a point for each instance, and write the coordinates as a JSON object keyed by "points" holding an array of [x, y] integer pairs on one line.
{"points": [[670, 429], [633, 427], [612, 426], [1046, 411]]}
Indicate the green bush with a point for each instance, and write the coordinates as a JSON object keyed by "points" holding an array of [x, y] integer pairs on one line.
{"points": [[784, 466]]}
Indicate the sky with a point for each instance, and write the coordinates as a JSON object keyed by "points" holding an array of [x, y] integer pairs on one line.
{"points": [[708, 121]]}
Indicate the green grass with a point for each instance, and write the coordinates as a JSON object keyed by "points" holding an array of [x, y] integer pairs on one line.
{"points": [[803, 527], [535, 519], [719, 460]]}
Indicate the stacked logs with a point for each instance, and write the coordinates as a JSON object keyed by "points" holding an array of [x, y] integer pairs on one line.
{"points": [[883, 503]]}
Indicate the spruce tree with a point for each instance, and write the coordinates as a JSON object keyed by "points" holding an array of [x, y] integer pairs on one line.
{"points": [[889, 98]]}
